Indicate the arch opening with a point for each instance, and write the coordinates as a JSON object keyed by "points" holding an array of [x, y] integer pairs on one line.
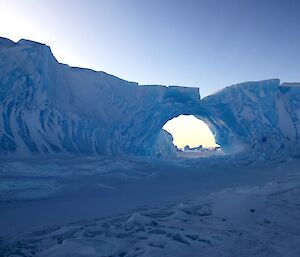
{"points": [[191, 136]]}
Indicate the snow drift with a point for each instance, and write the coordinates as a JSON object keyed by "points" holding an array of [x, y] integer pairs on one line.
{"points": [[49, 107]]}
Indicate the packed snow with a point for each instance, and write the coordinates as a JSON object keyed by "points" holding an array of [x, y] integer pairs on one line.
{"points": [[142, 208]]}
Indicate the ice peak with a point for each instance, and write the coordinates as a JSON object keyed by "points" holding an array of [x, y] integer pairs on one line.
{"points": [[30, 43], [5, 42]]}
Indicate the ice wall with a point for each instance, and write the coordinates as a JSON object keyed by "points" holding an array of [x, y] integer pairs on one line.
{"points": [[47, 107], [260, 115]]}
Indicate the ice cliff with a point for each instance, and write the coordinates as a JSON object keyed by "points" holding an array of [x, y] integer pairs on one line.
{"points": [[49, 107], [261, 115]]}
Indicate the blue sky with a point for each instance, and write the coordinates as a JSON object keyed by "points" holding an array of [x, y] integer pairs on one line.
{"points": [[207, 44]]}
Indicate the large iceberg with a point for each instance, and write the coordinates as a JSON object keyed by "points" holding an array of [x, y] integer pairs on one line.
{"points": [[260, 115], [47, 107]]}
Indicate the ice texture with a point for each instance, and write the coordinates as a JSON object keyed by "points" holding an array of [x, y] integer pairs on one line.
{"points": [[48, 108], [260, 115], [244, 221]]}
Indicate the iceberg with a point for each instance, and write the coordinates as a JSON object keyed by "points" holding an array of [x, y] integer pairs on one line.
{"points": [[51, 108], [260, 115], [48, 107]]}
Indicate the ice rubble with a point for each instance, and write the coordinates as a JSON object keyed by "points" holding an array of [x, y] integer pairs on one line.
{"points": [[48, 107]]}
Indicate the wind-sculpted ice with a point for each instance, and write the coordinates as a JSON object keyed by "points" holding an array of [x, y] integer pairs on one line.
{"points": [[262, 115], [48, 107]]}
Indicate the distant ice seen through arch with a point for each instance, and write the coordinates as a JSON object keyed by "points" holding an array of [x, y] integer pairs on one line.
{"points": [[188, 130]]}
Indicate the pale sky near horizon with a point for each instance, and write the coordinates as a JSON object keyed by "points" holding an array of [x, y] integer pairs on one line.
{"points": [[185, 131], [199, 43]]}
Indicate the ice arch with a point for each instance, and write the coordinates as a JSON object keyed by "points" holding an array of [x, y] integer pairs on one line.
{"points": [[48, 108], [187, 130]]}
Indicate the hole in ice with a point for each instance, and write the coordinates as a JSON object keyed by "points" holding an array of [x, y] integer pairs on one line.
{"points": [[191, 135]]}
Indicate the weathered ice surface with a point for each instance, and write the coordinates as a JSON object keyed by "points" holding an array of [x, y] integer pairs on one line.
{"points": [[262, 115], [48, 107]]}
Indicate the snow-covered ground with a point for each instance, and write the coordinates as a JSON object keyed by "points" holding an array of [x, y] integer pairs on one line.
{"points": [[120, 206]]}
